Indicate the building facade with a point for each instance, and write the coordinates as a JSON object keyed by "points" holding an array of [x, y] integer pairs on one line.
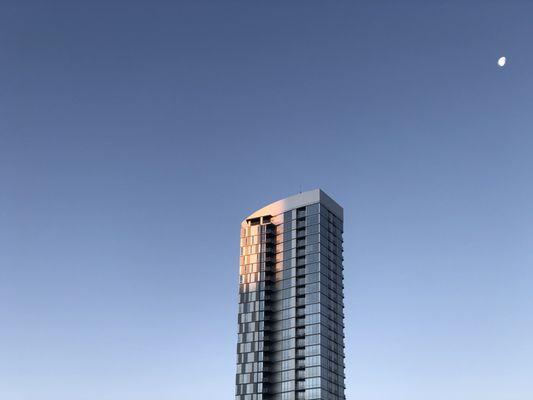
{"points": [[291, 328]]}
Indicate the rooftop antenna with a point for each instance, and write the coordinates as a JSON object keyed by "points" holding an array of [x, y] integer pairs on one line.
{"points": [[300, 189]]}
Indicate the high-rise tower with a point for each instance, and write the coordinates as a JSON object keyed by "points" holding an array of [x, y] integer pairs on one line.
{"points": [[291, 331]]}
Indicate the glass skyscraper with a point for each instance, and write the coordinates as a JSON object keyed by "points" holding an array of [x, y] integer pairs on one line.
{"points": [[291, 331]]}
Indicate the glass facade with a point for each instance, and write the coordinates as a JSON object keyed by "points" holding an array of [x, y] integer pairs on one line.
{"points": [[291, 331]]}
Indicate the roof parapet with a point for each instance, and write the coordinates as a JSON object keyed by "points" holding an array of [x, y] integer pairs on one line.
{"points": [[299, 200]]}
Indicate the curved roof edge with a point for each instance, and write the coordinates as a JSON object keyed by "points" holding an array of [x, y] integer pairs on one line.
{"points": [[299, 200]]}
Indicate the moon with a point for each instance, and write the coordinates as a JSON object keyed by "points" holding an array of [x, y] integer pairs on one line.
{"points": [[502, 61]]}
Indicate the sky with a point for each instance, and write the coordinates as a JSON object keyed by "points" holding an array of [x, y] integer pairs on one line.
{"points": [[135, 136]]}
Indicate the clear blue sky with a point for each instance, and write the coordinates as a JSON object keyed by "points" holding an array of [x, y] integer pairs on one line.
{"points": [[135, 136]]}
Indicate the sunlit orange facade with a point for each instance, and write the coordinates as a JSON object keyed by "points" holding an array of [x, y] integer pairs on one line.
{"points": [[291, 330]]}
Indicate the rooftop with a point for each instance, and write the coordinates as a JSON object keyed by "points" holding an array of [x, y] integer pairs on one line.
{"points": [[299, 200]]}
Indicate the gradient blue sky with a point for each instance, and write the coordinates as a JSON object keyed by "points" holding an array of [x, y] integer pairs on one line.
{"points": [[135, 136]]}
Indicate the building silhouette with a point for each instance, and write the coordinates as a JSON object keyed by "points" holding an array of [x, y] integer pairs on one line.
{"points": [[291, 331]]}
